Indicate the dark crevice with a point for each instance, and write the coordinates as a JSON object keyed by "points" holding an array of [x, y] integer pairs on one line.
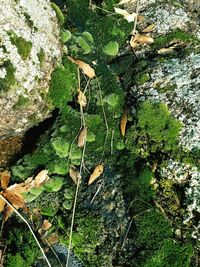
{"points": [[32, 136]]}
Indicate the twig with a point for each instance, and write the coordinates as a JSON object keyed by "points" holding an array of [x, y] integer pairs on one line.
{"points": [[26, 222], [124, 241], [136, 17], [111, 142], [53, 251], [96, 193], [77, 189], [105, 120]]}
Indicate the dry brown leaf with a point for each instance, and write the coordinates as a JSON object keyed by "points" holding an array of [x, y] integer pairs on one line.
{"points": [[149, 28], [129, 17], [46, 225], [165, 51], [2, 204], [96, 173], [5, 179], [140, 39], [123, 123], [41, 178], [74, 174], [53, 239], [89, 71], [8, 212], [15, 200], [18, 189], [82, 137], [140, 18], [82, 100]]}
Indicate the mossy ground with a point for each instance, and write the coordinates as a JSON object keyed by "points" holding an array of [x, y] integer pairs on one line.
{"points": [[122, 225]]}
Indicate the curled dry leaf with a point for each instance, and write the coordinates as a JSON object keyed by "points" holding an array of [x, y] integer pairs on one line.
{"points": [[123, 123], [8, 212], [82, 100], [140, 39], [5, 179], [53, 239], [46, 225], [74, 174], [129, 17], [2, 204], [41, 178], [15, 200], [149, 28], [82, 137], [89, 71], [96, 173]]}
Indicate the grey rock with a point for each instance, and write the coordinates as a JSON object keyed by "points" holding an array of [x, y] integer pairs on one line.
{"points": [[29, 50]]}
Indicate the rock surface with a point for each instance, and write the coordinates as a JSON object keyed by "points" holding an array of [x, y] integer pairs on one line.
{"points": [[29, 51], [172, 76]]}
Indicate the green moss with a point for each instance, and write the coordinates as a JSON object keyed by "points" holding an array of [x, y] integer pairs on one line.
{"points": [[22, 102], [9, 80], [63, 83], [24, 47], [59, 14], [156, 125], [167, 88], [86, 238], [175, 35], [22, 250], [142, 78], [171, 254], [41, 56]]}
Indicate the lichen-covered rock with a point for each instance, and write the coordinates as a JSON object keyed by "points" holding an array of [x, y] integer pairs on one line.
{"points": [[171, 75], [29, 50]]}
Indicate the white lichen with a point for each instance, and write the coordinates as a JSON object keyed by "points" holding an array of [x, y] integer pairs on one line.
{"points": [[31, 25]]}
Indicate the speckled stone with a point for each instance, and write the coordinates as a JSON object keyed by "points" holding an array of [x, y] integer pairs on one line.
{"points": [[24, 103]]}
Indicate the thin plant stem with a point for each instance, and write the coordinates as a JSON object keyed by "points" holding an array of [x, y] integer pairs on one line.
{"points": [[105, 120], [26, 222]]}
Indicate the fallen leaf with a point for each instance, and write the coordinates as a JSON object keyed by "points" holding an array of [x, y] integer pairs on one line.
{"points": [[5, 179], [96, 173], [82, 137], [2, 204], [53, 239], [140, 18], [8, 212], [82, 100], [149, 28], [16, 201], [74, 174], [46, 225], [129, 17], [165, 51], [18, 189], [41, 178], [89, 71], [123, 123], [140, 39]]}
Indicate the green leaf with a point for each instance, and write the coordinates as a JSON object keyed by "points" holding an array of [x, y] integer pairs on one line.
{"points": [[111, 49]]}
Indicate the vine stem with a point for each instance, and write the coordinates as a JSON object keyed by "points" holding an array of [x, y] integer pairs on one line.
{"points": [[31, 230]]}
